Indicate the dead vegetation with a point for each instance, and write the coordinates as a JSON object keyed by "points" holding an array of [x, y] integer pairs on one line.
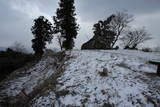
{"points": [[62, 93], [104, 73]]}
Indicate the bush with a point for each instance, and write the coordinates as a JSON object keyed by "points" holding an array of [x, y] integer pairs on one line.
{"points": [[116, 48], [147, 50], [104, 73], [11, 60]]}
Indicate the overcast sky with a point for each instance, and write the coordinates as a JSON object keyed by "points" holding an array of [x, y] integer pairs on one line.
{"points": [[17, 17]]}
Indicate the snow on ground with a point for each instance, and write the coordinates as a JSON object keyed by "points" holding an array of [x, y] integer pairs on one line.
{"points": [[136, 53], [29, 79], [113, 78], [105, 78]]}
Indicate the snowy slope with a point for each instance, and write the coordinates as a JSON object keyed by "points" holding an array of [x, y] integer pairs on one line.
{"points": [[105, 78]]}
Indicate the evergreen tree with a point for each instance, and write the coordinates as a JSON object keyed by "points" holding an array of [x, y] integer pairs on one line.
{"points": [[65, 23], [42, 31], [104, 35]]}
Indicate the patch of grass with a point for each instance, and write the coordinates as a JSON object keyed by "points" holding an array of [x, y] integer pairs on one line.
{"points": [[73, 86], [62, 93], [83, 101], [108, 105], [123, 65], [149, 99], [103, 92], [151, 74], [147, 50], [103, 74]]}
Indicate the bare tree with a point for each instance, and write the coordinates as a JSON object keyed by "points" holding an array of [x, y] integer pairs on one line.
{"points": [[120, 23], [60, 41], [135, 37]]}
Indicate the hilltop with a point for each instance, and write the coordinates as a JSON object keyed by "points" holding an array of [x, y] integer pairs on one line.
{"points": [[109, 78]]}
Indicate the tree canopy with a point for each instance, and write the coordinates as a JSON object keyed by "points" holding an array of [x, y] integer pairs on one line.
{"points": [[42, 31], [65, 23]]}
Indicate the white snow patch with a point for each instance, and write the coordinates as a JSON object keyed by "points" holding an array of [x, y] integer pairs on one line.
{"points": [[122, 87]]}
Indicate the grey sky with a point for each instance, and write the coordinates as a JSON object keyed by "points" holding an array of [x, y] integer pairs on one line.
{"points": [[17, 17]]}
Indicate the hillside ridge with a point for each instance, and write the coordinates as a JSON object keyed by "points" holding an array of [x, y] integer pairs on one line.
{"points": [[86, 78]]}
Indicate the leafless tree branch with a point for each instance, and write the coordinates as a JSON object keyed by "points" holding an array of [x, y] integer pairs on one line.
{"points": [[135, 37]]}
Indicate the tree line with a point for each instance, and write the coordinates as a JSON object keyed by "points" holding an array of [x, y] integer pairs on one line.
{"points": [[106, 32], [116, 27]]}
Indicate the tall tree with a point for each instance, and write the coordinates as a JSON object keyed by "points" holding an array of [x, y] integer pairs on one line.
{"points": [[42, 31], [65, 23]]}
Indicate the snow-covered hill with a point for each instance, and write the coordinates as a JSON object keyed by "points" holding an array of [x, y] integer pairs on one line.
{"points": [[93, 79]]}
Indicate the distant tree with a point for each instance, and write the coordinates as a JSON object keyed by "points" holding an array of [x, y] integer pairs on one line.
{"points": [[135, 37], [119, 23], [18, 47], [65, 23], [103, 35], [146, 49], [157, 49], [42, 31]]}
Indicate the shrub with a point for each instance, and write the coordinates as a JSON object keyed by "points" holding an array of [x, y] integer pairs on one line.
{"points": [[116, 48], [147, 50], [104, 73], [62, 93], [11, 60]]}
